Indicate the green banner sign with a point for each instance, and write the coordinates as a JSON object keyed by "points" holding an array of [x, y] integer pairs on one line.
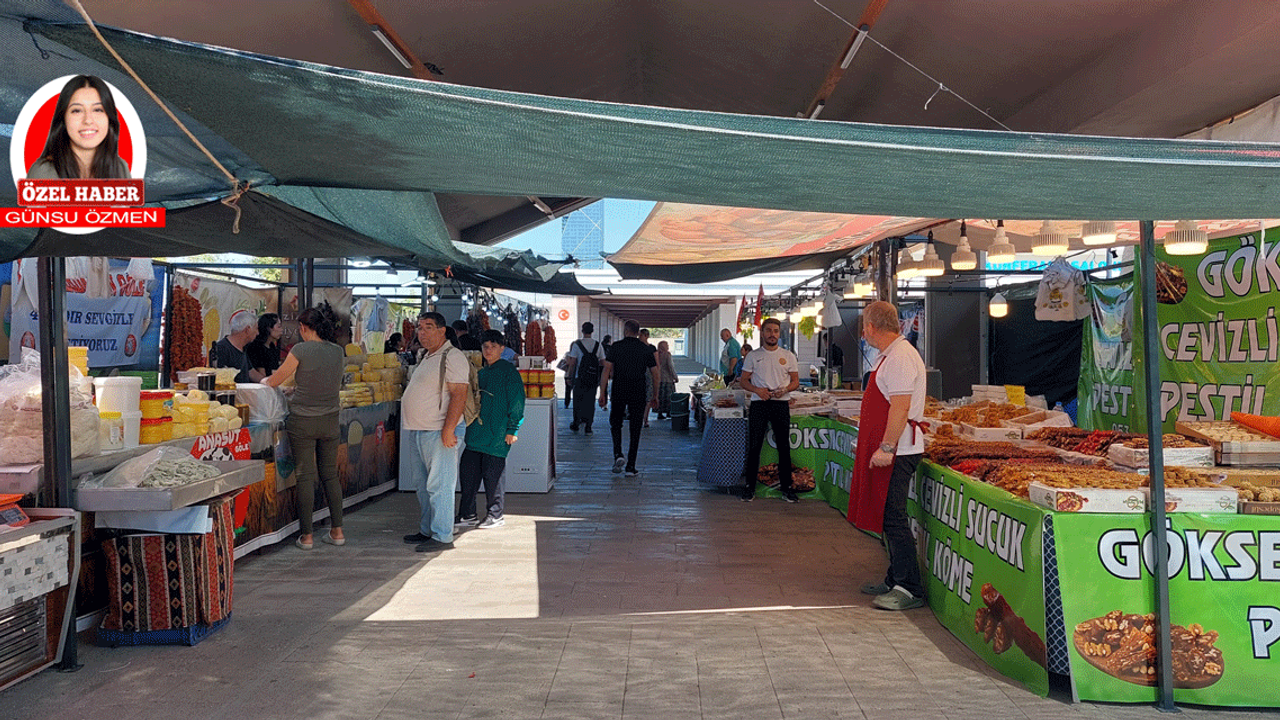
{"points": [[1218, 344], [1224, 606], [824, 447], [984, 569]]}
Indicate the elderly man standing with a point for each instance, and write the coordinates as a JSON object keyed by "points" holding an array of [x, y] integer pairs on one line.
{"points": [[229, 351], [730, 355], [430, 413], [890, 445]]}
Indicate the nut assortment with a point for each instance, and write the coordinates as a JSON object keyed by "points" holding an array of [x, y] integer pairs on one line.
{"points": [[801, 478], [1226, 431], [1171, 283], [1252, 493], [988, 415], [1123, 646]]}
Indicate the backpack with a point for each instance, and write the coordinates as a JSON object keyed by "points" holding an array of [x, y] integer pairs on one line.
{"points": [[471, 410], [588, 373]]}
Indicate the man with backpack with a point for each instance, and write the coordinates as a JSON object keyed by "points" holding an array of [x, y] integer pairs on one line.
{"points": [[585, 359]]}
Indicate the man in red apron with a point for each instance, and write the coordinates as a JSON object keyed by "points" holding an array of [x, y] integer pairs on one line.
{"points": [[890, 444]]}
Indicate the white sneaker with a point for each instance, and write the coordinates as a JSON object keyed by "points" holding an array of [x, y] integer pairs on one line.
{"points": [[492, 522], [466, 522]]}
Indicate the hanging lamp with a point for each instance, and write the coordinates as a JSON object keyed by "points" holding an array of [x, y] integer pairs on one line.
{"points": [[906, 265], [998, 307], [1051, 240], [1001, 250], [931, 265], [1098, 232], [1186, 238], [964, 258]]}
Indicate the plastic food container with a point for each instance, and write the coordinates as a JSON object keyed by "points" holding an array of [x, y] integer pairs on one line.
{"points": [[132, 426], [532, 391], [117, 394], [156, 430], [156, 403], [547, 391], [110, 431]]}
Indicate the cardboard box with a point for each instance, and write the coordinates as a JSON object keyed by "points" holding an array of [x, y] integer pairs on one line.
{"points": [[1198, 499], [982, 433], [720, 413], [1140, 457], [1033, 421], [1249, 507], [1088, 500]]}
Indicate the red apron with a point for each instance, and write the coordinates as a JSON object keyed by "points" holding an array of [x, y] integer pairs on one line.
{"points": [[870, 485]]}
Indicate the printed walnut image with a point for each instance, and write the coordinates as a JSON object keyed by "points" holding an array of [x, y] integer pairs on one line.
{"points": [[1123, 646], [1002, 628]]}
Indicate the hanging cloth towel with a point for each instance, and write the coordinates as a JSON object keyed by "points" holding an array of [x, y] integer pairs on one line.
{"points": [[1061, 296]]}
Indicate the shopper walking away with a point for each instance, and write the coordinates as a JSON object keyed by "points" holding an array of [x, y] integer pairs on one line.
{"points": [[730, 356], [770, 374], [585, 358], [466, 341], [650, 383], [666, 379], [890, 444], [490, 436], [430, 412], [312, 425], [628, 364]]}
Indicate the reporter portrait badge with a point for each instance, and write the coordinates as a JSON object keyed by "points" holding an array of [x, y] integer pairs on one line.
{"points": [[78, 206]]}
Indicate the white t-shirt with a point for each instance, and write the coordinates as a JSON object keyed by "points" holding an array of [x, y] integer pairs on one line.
{"points": [[592, 345], [900, 371], [771, 370], [422, 407]]}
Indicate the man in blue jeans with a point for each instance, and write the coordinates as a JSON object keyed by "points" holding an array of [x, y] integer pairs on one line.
{"points": [[430, 413]]}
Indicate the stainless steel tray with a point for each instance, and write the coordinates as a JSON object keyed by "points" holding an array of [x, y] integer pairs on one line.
{"points": [[236, 474]]}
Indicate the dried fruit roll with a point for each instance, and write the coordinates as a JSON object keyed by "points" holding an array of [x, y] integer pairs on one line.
{"points": [[1015, 627]]}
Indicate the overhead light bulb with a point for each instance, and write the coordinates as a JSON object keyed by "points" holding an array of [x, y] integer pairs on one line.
{"points": [[964, 258], [1098, 232], [361, 262], [795, 316], [998, 307], [1186, 238], [906, 265], [931, 265], [1001, 250], [1051, 240]]}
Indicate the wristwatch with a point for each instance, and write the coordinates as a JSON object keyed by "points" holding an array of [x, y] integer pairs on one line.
{"points": [[888, 447]]}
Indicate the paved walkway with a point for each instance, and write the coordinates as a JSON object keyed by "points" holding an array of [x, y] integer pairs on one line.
{"points": [[609, 597]]}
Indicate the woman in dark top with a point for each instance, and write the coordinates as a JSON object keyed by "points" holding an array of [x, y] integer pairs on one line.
{"points": [[312, 423], [264, 351], [394, 344], [84, 137]]}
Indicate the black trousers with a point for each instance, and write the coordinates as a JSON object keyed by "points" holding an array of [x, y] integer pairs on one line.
{"points": [[474, 468], [899, 544], [584, 404], [762, 416], [635, 407]]}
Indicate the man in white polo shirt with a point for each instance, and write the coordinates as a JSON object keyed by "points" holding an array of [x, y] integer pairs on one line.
{"points": [[890, 444], [430, 413], [769, 373]]}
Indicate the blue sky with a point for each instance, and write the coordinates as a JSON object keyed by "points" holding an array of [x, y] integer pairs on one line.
{"points": [[621, 220]]}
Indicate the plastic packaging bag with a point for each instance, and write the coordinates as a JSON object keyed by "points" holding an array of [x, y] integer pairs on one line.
{"points": [[22, 417], [163, 467]]}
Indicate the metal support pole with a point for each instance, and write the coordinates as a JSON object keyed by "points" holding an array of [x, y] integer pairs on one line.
{"points": [[886, 267], [311, 282], [55, 490], [1155, 433]]}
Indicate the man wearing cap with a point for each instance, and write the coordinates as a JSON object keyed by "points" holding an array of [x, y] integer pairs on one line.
{"points": [[229, 351], [585, 382]]}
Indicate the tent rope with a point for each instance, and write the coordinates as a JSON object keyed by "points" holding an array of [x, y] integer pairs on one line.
{"points": [[238, 188]]}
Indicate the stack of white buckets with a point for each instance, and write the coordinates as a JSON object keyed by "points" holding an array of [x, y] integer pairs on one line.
{"points": [[121, 394]]}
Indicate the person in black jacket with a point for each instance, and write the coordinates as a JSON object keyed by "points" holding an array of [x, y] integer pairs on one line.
{"points": [[628, 364]]}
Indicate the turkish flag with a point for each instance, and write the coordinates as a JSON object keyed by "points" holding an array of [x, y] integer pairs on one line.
{"points": [[759, 306]]}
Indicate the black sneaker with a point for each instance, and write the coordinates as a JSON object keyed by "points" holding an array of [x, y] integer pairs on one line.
{"points": [[466, 522], [573, 427], [586, 430], [632, 472], [618, 462], [416, 538], [790, 497], [746, 494], [433, 545]]}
